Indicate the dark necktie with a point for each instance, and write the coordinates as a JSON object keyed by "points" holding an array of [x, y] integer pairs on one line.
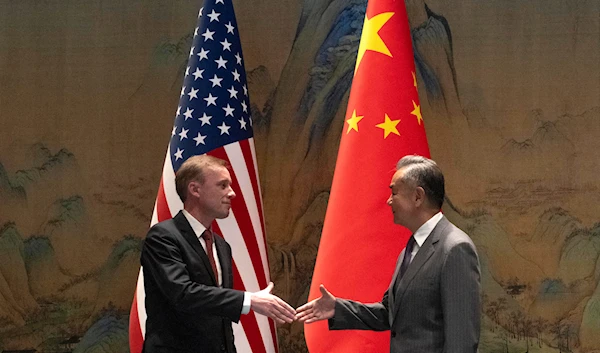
{"points": [[407, 256], [208, 238]]}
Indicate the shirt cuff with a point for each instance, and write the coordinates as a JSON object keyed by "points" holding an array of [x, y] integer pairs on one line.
{"points": [[247, 302]]}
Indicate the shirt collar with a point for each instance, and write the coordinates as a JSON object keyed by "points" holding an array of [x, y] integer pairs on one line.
{"points": [[197, 227], [423, 232]]}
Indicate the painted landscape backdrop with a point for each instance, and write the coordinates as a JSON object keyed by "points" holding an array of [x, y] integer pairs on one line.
{"points": [[510, 95]]}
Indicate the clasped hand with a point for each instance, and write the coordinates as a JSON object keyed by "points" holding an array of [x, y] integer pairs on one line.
{"points": [[322, 308], [265, 303]]}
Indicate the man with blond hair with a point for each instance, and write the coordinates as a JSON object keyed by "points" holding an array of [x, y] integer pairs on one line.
{"points": [[188, 274]]}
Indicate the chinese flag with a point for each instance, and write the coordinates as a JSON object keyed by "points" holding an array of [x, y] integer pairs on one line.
{"points": [[360, 243]]}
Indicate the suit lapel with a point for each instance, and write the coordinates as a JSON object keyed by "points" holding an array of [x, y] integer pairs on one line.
{"points": [[391, 291], [224, 260], [422, 256], [190, 236]]}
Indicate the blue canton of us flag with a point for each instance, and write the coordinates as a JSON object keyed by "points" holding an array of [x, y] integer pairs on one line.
{"points": [[214, 108]]}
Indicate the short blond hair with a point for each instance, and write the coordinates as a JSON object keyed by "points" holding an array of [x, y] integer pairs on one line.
{"points": [[193, 169]]}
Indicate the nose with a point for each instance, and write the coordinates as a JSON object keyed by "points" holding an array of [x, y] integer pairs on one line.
{"points": [[389, 200], [231, 193]]}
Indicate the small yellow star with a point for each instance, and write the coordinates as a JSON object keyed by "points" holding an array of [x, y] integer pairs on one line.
{"points": [[417, 112], [370, 39], [389, 126], [353, 122], [414, 79]]}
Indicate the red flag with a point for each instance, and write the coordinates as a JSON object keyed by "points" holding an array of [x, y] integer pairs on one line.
{"points": [[213, 117], [360, 243]]}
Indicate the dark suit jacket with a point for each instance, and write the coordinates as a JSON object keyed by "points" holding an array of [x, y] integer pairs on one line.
{"points": [[435, 307], [187, 311]]}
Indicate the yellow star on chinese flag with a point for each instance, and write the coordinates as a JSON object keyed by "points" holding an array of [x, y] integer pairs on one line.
{"points": [[414, 79], [353, 122], [417, 112], [389, 126], [370, 39]]}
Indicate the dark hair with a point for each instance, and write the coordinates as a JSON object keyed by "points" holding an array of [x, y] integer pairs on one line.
{"points": [[193, 170], [424, 172]]}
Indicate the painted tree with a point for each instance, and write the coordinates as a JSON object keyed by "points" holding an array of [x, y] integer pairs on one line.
{"points": [[528, 330], [541, 325], [557, 332]]}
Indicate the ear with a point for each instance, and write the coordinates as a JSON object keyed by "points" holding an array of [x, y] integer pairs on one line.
{"points": [[193, 189], [419, 196]]}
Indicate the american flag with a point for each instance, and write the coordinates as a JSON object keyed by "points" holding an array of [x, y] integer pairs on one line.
{"points": [[213, 117]]}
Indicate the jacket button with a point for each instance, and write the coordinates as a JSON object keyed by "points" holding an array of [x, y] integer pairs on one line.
{"points": [[393, 333]]}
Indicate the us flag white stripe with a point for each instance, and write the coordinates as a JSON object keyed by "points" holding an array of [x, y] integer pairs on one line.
{"points": [[238, 163], [255, 163], [140, 293], [241, 341], [168, 179], [233, 235], [246, 267], [154, 215], [244, 264]]}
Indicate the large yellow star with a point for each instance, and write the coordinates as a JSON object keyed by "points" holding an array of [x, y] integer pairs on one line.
{"points": [[417, 112], [353, 122], [389, 126], [370, 39]]}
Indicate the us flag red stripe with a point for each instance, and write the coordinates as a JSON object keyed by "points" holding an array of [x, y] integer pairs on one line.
{"points": [[244, 221], [213, 117]]}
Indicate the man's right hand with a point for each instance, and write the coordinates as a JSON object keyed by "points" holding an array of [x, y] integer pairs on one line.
{"points": [[267, 304], [319, 309]]}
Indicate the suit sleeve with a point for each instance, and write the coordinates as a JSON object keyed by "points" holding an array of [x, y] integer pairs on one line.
{"points": [[352, 315], [161, 259], [461, 301]]}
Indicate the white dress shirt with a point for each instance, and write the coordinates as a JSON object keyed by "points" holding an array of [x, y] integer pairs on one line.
{"points": [[423, 233], [199, 228]]}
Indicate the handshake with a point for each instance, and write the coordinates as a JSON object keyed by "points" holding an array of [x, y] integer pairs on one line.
{"points": [[265, 303]]}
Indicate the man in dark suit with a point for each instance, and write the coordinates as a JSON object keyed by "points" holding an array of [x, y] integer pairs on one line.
{"points": [[433, 302], [188, 275]]}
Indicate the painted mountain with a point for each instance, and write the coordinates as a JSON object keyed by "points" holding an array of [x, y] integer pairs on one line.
{"points": [[62, 286]]}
